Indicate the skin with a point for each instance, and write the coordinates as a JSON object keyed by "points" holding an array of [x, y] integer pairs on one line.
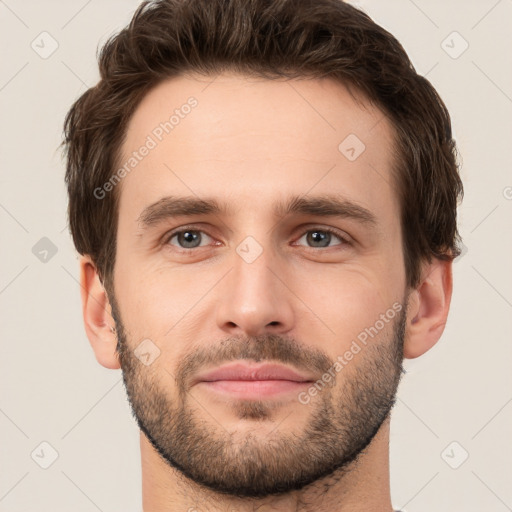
{"points": [[252, 143]]}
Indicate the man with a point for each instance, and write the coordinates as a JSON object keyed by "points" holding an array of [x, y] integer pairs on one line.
{"points": [[264, 197]]}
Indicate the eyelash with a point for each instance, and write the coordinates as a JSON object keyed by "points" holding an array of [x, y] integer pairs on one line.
{"points": [[168, 238]]}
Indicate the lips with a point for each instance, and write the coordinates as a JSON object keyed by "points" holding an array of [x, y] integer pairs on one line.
{"points": [[253, 372]]}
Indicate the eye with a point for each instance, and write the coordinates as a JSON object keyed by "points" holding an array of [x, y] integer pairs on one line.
{"points": [[187, 238], [317, 238], [321, 237]]}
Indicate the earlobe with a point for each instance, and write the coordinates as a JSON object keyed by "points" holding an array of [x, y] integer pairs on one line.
{"points": [[428, 309], [98, 321]]}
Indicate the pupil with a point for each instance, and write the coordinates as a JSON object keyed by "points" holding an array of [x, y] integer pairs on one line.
{"points": [[189, 237], [320, 236]]}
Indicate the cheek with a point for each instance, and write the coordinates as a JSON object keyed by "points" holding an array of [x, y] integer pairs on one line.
{"points": [[343, 301], [158, 300], [333, 303], [154, 307]]}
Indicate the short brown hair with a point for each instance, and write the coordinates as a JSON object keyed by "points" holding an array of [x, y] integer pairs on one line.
{"points": [[270, 39]]}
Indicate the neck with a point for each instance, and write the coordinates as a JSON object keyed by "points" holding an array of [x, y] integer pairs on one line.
{"points": [[362, 488]]}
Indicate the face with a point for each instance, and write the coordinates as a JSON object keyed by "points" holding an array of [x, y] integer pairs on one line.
{"points": [[256, 241]]}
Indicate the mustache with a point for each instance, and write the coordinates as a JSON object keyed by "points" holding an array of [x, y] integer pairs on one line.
{"points": [[267, 347]]}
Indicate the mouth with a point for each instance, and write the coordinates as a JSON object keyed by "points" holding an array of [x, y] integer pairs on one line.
{"points": [[253, 381]]}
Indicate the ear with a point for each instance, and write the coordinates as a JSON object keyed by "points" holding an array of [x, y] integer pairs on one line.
{"points": [[97, 316], [428, 307]]}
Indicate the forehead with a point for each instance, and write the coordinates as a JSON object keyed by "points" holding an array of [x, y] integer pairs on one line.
{"points": [[250, 141]]}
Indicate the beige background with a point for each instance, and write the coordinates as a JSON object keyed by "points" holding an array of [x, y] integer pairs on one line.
{"points": [[52, 390]]}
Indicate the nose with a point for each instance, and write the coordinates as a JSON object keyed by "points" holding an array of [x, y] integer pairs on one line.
{"points": [[255, 298]]}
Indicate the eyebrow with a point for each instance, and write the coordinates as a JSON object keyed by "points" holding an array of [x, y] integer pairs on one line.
{"points": [[327, 205]]}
